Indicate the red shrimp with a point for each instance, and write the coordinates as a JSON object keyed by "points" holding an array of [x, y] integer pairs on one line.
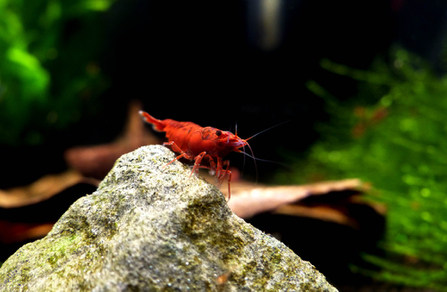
{"points": [[200, 144]]}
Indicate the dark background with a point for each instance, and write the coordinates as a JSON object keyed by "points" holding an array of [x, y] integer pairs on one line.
{"points": [[202, 61]]}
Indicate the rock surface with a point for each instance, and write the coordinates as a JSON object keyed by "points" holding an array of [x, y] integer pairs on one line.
{"points": [[150, 228]]}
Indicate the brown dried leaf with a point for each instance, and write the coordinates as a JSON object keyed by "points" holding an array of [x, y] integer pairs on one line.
{"points": [[332, 201], [325, 213], [12, 232], [42, 189], [248, 200], [29, 212]]}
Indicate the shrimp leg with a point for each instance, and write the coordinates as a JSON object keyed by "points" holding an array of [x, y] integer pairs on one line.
{"points": [[218, 170], [226, 172], [221, 173], [176, 149], [197, 161]]}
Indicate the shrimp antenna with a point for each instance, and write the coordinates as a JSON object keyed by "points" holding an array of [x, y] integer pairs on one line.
{"points": [[252, 156], [235, 127], [266, 160], [267, 130], [251, 150]]}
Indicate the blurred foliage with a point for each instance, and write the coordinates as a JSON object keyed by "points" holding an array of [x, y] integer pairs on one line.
{"points": [[396, 143], [47, 65]]}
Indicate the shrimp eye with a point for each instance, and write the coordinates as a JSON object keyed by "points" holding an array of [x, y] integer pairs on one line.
{"points": [[218, 132]]}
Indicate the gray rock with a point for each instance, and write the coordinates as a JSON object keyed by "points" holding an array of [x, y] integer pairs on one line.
{"points": [[155, 228]]}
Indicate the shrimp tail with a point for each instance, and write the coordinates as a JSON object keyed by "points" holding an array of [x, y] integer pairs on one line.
{"points": [[157, 124]]}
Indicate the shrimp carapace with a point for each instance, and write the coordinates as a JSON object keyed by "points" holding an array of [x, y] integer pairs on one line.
{"points": [[207, 146]]}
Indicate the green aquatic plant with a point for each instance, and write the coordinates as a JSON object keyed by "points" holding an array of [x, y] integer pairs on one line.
{"points": [[397, 144], [46, 68]]}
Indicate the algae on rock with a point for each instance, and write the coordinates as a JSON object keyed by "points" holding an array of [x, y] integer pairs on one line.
{"points": [[150, 228]]}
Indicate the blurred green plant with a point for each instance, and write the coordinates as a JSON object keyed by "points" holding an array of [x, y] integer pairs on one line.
{"points": [[398, 144], [47, 65]]}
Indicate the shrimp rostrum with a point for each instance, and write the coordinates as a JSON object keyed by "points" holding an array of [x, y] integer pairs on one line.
{"points": [[207, 146]]}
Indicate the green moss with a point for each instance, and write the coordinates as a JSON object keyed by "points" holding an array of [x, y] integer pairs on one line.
{"points": [[40, 83], [398, 144]]}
